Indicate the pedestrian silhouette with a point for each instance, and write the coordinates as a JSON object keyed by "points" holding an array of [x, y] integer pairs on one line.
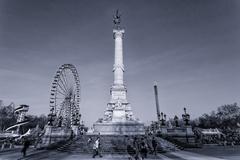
{"points": [[154, 145], [96, 148], [26, 144]]}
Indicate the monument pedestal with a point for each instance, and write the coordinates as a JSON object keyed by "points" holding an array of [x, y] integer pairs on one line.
{"points": [[54, 135], [163, 130], [119, 128], [189, 130]]}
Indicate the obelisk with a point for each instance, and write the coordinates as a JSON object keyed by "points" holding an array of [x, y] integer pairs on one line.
{"points": [[118, 117]]}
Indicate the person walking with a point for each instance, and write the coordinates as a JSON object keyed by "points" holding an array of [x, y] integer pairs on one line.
{"points": [[26, 144], [143, 148], [11, 141], [3, 145], [136, 146], [96, 148], [89, 140], [154, 145], [130, 149]]}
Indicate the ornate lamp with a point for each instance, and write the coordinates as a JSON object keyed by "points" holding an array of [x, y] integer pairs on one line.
{"points": [[186, 117], [176, 121], [163, 119]]}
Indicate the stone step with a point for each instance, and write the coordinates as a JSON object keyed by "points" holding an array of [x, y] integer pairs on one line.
{"points": [[110, 144]]}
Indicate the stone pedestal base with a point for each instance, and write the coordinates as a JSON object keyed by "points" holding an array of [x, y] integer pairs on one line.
{"points": [[119, 128], [181, 134], [54, 135], [189, 131], [163, 130]]}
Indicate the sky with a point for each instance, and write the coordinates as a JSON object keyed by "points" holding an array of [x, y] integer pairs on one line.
{"points": [[191, 48]]}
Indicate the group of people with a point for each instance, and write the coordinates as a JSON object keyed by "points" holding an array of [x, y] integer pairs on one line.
{"points": [[140, 147], [137, 148]]}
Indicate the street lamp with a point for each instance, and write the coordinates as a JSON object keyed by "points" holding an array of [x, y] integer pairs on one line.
{"points": [[186, 118], [163, 119], [176, 121]]}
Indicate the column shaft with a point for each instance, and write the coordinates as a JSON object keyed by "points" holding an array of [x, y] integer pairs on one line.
{"points": [[118, 62]]}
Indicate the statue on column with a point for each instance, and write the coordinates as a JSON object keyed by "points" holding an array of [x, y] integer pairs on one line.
{"points": [[117, 20]]}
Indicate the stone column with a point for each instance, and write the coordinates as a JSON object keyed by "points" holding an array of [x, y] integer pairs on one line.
{"points": [[157, 102], [118, 67]]}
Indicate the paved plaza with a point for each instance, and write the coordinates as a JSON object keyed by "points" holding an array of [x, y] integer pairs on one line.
{"points": [[205, 153]]}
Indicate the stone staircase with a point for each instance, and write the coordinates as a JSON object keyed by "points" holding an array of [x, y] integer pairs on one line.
{"points": [[109, 145], [81, 145], [168, 146]]}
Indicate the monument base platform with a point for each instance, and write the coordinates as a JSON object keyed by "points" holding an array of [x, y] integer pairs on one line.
{"points": [[54, 135], [119, 128]]}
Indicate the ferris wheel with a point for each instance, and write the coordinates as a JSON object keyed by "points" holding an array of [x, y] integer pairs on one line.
{"points": [[65, 97]]}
